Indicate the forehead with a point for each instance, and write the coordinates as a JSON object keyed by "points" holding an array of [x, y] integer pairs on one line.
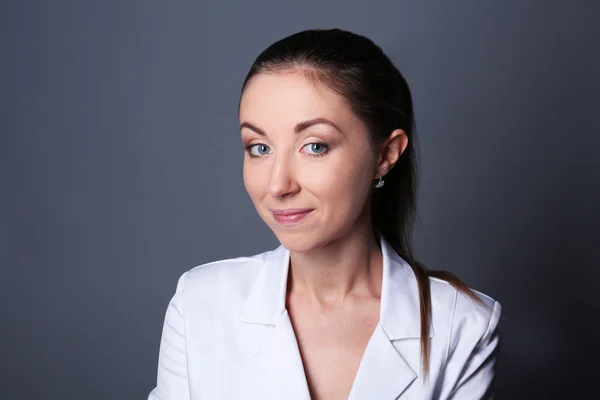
{"points": [[286, 98]]}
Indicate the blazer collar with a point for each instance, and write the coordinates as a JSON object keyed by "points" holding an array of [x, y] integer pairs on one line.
{"points": [[268, 335], [399, 308]]}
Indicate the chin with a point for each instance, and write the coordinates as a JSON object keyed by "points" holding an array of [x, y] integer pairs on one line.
{"points": [[300, 242]]}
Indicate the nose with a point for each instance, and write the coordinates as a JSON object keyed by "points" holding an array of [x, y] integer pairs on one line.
{"points": [[282, 181]]}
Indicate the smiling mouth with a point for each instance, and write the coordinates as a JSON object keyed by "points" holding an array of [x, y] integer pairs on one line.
{"points": [[290, 216]]}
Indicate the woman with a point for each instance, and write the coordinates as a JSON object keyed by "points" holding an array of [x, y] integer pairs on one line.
{"points": [[341, 310]]}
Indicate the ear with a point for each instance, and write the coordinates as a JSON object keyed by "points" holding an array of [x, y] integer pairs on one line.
{"points": [[391, 150]]}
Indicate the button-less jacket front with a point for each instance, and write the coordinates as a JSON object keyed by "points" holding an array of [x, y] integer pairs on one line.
{"points": [[227, 335]]}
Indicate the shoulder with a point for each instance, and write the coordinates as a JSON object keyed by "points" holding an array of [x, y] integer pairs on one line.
{"points": [[467, 338], [210, 280], [208, 272], [462, 317]]}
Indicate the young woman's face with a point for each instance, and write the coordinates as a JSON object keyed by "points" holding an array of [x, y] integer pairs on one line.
{"points": [[308, 165]]}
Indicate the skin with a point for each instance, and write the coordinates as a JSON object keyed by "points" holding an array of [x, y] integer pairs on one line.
{"points": [[334, 285]]}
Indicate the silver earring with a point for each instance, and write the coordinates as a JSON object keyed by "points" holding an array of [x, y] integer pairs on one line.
{"points": [[380, 182]]}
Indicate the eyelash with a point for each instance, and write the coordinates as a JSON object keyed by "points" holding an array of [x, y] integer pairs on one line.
{"points": [[325, 145]]}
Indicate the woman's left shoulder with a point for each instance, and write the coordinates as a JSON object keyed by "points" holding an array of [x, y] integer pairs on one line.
{"points": [[460, 313]]}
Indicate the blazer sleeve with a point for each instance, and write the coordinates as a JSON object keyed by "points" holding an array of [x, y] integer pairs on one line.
{"points": [[172, 375], [477, 376]]}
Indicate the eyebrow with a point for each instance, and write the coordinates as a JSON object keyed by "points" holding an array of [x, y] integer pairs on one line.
{"points": [[298, 128]]}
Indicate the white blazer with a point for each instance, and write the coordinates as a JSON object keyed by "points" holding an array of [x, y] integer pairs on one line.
{"points": [[227, 335]]}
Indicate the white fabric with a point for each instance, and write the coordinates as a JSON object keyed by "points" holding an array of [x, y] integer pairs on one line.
{"points": [[227, 335]]}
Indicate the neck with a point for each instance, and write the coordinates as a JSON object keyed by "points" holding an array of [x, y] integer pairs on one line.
{"points": [[349, 265]]}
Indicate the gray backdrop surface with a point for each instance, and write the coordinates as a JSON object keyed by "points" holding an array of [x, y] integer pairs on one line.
{"points": [[120, 168]]}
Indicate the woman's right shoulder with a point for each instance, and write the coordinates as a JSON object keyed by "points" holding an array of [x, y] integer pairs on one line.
{"points": [[212, 279]]}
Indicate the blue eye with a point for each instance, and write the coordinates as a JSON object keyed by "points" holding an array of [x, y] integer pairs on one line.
{"points": [[316, 148], [257, 150]]}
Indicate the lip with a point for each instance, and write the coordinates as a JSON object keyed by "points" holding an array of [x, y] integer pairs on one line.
{"points": [[291, 216]]}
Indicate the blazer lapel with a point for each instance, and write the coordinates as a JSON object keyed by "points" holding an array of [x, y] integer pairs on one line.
{"points": [[279, 358], [383, 372], [270, 337]]}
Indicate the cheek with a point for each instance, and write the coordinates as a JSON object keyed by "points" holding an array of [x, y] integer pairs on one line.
{"points": [[252, 182], [341, 184]]}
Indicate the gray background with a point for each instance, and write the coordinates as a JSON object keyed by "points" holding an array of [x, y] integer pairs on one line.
{"points": [[120, 168]]}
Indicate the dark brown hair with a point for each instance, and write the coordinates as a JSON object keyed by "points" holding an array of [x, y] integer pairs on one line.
{"points": [[357, 69]]}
